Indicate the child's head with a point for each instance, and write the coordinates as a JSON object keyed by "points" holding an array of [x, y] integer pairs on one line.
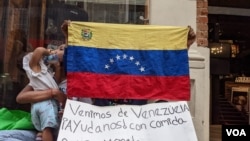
{"points": [[60, 52]]}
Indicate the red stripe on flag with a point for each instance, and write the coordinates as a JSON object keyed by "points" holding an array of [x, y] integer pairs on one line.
{"points": [[82, 84]]}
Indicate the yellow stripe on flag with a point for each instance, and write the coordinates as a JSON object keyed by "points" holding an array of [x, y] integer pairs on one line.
{"points": [[127, 36]]}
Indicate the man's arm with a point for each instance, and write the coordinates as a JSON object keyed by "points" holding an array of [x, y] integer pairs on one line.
{"points": [[28, 95], [64, 29]]}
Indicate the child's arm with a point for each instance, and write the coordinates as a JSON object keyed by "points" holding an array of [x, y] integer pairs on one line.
{"points": [[38, 54]]}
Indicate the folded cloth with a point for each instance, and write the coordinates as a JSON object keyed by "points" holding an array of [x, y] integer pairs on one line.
{"points": [[15, 119]]}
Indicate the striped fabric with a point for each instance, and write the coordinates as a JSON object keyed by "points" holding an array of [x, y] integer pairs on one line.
{"points": [[127, 61]]}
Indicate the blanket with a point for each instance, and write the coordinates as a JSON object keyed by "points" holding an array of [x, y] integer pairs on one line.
{"points": [[15, 119]]}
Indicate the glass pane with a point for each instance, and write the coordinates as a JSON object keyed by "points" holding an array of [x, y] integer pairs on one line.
{"points": [[27, 24]]}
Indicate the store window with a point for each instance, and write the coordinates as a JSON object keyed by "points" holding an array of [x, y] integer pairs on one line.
{"points": [[27, 24]]}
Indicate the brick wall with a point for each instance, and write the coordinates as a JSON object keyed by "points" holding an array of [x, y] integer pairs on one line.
{"points": [[202, 20]]}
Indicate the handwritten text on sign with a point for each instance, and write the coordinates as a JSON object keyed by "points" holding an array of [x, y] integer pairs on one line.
{"points": [[152, 122]]}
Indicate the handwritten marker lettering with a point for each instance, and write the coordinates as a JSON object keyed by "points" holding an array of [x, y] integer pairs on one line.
{"points": [[160, 111], [85, 122], [122, 139]]}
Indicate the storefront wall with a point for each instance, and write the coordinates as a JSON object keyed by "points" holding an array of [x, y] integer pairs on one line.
{"points": [[176, 13], [183, 13], [27, 24]]}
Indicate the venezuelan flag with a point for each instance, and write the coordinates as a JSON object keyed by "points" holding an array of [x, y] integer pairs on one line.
{"points": [[122, 61]]}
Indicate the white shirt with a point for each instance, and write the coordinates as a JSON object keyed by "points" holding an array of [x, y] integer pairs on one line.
{"points": [[39, 81]]}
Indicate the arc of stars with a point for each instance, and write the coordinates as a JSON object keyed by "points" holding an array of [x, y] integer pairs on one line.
{"points": [[124, 57]]}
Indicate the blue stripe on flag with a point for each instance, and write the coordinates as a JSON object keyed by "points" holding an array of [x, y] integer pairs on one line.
{"points": [[132, 62]]}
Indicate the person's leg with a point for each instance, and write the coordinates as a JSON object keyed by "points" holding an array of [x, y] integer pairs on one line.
{"points": [[48, 119], [47, 134]]}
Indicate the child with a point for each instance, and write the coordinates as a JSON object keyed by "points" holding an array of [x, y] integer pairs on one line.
{"points": [[44, 114]]}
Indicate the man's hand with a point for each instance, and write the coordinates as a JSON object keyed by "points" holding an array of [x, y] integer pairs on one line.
{"points": [[64, 27], [191, 36], [59, 96]]}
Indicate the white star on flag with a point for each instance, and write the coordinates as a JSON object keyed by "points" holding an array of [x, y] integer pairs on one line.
{"points": [[131, 58], [137, 63], [142, 69], [118, 57], [111, 60], [107, 66], [125, 56]]}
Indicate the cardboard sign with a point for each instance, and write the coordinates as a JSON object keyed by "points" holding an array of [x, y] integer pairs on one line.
{"points": [[152, 122]]}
